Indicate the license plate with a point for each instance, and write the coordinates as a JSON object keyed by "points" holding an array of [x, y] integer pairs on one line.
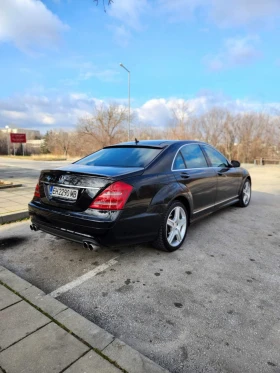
{"points": [[65, 193]]}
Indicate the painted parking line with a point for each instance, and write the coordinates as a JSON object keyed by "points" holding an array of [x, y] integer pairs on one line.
{"points": [[78, 281]]}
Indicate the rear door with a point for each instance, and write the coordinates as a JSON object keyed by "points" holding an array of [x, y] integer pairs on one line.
{"points": [[191, 170], [229, 178]]}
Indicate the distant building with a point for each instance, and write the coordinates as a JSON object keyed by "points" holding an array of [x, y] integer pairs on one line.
{"points": [[33, 144], [30, 134]]}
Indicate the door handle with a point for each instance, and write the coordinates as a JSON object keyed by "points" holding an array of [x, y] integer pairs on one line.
{"points": [[185, 175], [222, 174]]}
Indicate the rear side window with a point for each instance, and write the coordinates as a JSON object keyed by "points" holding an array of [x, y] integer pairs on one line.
{"points": [[179, 163], [121, 157], [193, 156], [216, 158]]}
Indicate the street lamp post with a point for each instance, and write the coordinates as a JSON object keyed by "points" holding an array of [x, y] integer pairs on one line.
{"points": [[128, 131], [7, 128]]}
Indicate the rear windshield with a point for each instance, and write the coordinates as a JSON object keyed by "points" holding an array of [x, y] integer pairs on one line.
{"points": [[121, 157]]}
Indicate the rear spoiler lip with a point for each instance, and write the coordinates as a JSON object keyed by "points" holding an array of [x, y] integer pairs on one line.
{"points": [[107, 177], [136, 146]]}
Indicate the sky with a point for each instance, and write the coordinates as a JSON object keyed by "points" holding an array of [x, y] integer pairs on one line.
{"points": [[60, 58]]}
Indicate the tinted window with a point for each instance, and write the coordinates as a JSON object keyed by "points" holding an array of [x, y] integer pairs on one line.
{"points": [[193, 156], [179, 163], [121, 157], [216, 158]]}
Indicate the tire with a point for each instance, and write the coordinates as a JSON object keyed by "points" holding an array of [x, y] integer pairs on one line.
{"points": [[245, 195], [173, 228]]}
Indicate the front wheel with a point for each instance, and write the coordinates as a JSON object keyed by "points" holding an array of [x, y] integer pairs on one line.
{"points": [[245, 195], [173, 229]]}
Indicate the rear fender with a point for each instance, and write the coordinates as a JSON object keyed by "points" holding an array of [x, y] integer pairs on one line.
{"points": [[169, 193]]}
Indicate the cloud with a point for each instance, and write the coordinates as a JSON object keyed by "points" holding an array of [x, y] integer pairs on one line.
{"points": [[43, 113], [223, 13], [235, 52], [180, 10], [63, 111], [127, 18], [153, 112], [129, 12], [28, 24], [108, 75], [227, 14], [121, 34], [82, 71]]}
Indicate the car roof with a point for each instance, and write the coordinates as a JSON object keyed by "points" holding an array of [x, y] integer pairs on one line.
{"points": [[154, 143]]}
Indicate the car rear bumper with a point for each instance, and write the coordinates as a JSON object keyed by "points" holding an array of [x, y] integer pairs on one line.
{"points": [[79, 228]]}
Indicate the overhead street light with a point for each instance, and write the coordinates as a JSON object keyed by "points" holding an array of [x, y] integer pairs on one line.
{"points": [[128, 131]]}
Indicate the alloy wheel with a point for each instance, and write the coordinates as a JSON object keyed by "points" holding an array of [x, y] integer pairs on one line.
{"points": [[176, 226], [246, 193]]}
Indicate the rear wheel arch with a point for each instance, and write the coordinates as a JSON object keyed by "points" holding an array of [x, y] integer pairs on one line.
{"points": [[166, 194], [173, 227], [186, 203]]}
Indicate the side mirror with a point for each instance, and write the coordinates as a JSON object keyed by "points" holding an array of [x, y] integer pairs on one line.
{"points": [[235, 163]]}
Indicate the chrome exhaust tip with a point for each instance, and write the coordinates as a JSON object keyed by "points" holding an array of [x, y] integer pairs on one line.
{"points": [[34, 227], [90, 245], [31, 227]]}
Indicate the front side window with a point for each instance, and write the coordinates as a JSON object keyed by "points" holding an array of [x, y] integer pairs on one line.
{"points": [[216, 158], [193, 156], [121, 157]]}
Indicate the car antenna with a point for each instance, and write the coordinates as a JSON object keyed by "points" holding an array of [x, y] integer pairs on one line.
{"points": [[136, 141]]}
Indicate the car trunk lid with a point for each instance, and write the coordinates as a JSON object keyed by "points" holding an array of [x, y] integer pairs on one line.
{"points": [[74, 187]]}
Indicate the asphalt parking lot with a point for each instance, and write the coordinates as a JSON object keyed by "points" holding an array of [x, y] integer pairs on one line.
{"points": [[212, 306]]}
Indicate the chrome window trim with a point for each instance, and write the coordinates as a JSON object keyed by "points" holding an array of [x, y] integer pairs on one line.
{"points": [[187, 169], [69, 186], [199, 168], [210, 146], [215, 204], [184, 169]]}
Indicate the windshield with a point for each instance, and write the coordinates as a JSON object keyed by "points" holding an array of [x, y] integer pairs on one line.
{"points": [[121, 157]]}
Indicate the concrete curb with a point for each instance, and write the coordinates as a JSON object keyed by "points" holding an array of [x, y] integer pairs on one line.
{"points": [[124, 356], [9, 186], [14, 216]]}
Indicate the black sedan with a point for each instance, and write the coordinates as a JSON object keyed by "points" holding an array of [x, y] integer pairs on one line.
{"points": [[147, 191]]}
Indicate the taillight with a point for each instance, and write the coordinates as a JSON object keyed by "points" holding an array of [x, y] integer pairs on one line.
{"points": [[112, 198], [37, 191]]}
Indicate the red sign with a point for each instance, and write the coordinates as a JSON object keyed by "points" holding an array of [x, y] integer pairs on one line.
{"points": [[18, 137]]}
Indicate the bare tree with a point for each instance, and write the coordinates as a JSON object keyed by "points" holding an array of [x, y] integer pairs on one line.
{"points": [[211, 125], [251, 129], [58, 142], [243, 136], [181, 124], [105, 125], [147, 132], [228, 139], [104, 2], [3, 143]]}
